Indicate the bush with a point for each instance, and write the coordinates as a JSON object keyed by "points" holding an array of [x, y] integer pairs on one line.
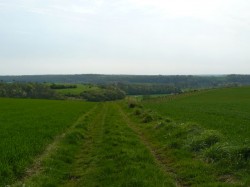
{"points": [[27, 90], [147, 118], [159, 125], [132, 104], [168, 120], [230, 155], [244, 153], [205, 140], [62, 86], [104, 94], [138, 112]]}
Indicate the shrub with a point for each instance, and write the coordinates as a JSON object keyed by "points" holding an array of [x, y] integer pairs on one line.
{"points": [[244, 153], [104, 94], [159, 125], [205, 140], [27, 90], [132, 104], [138, 112], [168, 120], [62, 86], [230, 155], [147, 118]]}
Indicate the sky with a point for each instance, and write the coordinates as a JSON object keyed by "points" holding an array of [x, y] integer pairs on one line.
{"points": [[166, 37]]}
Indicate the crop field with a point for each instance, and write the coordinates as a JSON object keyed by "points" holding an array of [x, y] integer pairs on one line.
{"points": [[226, 110], [77, 91], [102, 151], [131, 142], [27, 127], [211, 125]]}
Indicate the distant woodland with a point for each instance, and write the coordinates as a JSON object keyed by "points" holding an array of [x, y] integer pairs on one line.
{"points": [[179, 81], [110, 87], [27, 90]]}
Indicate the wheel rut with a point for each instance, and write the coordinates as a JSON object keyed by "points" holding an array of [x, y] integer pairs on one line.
{"points": [[37, 167], [86, 158], [111, 153], [160, 161]]}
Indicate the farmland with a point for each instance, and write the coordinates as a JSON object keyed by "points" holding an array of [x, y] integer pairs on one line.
{"points": [[78, 90], [155, 141], [28, 126], [211, 125], [107, 153], [225, 110]]}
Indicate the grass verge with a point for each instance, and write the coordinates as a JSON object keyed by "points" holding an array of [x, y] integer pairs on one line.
{"points": [[195, 156]]}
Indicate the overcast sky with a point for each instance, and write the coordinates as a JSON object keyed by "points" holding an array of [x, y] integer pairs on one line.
{"points": [[124, 36]]}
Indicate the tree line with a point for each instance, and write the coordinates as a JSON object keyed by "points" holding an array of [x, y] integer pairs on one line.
{"points": [[148, 89], [107, 93], [179, 81], [44, 91], [27, 90], [62, 86]]}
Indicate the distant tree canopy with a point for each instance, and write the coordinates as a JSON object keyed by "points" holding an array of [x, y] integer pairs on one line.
{"points": [[27, 90], [179, 81], [62, 86], [148, 89], [119, 85], [109, 93]]}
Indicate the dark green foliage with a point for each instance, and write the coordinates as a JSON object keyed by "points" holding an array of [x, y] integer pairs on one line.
{"points": [[147, 89], [147, 117], [160, 125], [132, 104], [62, 86], [232, 155], [138, 112], [179, 81], [205, 140], [168, 120], [27, 90], [106, 94]]}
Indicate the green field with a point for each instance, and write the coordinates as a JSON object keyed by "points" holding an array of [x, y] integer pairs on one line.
{"points": [[106, 153], [77, 91], [191, 139], [210, 125], [226, 110], [27, 127]]}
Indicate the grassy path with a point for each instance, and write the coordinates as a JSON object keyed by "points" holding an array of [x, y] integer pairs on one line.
{"points": [[171, 145], [37, 165], [101, 150], [114, 156], [160, 159], [85, 160], [27, 127]]}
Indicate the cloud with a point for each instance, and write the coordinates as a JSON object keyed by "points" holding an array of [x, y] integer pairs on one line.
{"points": [[119, 36], [215, 11], [183, 8], [63, 8]]}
